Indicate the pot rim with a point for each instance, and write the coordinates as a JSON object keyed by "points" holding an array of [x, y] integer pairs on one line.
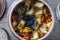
{"points": [[10, 14]]}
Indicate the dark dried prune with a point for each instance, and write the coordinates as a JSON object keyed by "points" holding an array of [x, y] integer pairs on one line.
{"points": [[27, 17], [31, 24]]}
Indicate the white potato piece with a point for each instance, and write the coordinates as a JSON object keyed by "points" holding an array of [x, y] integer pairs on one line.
{"points": [[26, 30], [49, 24], [39, 20], [30, 12], [35, 35], [27, 2], [43, 30], [38, 13], [14, 23], [21, 24], [39, 4]]}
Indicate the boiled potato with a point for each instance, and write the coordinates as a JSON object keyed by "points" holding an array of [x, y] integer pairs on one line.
{"points": [[27, 3], [30, 12], [39, 4], [35, 35], [21, 24], [49, 24], [39, 20], [27, 30], [14, 23], [38, 13], [43, 30]]}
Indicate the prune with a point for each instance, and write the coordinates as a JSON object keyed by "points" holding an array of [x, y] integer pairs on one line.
{"points": [[34, 25], [32, 17], [27, 17], [31, 24]]}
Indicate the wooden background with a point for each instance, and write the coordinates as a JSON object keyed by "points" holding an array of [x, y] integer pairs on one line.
{"points": [[54, 35]]}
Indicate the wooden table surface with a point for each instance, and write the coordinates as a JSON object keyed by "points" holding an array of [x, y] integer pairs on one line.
{"points": [[54, 35]]}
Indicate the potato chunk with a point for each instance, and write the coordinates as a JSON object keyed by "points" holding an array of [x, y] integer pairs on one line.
{"points": [[27, 30], [39, 4], [49, 24], [43, 30], [35, 35], [30, 12], [39, 20], [21, 24], [14, 23], [38, 13]]}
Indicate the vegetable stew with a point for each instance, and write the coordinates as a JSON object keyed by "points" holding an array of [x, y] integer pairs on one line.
{"points": [[31, 19]]}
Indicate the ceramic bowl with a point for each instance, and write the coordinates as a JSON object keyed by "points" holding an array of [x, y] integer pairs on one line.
{"points": [[10, 14]]}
